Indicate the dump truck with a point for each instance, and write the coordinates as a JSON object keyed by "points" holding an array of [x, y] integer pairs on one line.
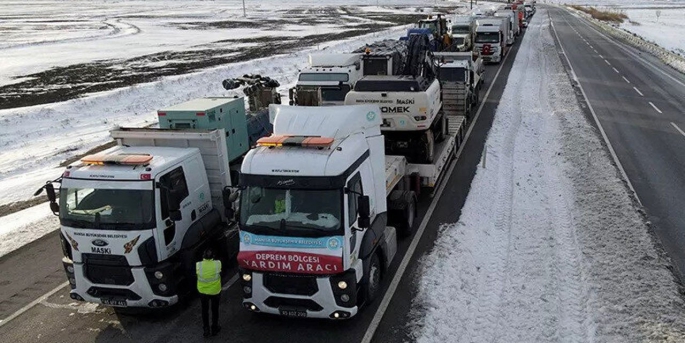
{"points": [[321, 209]]}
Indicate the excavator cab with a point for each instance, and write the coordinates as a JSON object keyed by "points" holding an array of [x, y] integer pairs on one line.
{"points": [[439, 29]]}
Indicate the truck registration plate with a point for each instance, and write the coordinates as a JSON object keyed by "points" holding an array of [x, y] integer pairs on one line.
{"points": [[291, 312], [114, 302]]}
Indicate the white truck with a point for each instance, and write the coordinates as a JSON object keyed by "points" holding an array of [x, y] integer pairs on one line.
{"points": [[135, 218], [321, 207], [512, 23], [462, 30], [491, 38], [460, 76], [326, 80]]}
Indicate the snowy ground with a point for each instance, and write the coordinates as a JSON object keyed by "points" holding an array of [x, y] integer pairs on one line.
{"points": [[668, 30], [549, 246]]}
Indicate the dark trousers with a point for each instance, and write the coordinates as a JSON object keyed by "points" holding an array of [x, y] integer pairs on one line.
{"points": [[206, 299]]}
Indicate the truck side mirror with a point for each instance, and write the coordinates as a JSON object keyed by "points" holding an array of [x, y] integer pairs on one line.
{"points": [[50, 190], [364, 212]]}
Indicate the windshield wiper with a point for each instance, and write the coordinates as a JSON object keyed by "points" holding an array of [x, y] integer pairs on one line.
{"points": [[78, 223]]}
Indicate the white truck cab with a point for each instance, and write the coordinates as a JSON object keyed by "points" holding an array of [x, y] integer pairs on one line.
{"points": [[314, 239], [135, 218], [326, 80], [490, 43]]}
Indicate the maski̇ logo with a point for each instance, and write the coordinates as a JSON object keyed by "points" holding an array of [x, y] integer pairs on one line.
{"points": [[285, 182], [405, 101]]}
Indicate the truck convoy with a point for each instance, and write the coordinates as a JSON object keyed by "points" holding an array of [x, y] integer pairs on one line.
{"points": [[462, 32], [309, 202]]}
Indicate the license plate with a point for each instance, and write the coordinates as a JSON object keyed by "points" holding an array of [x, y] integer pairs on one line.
{"points": [[114, 302], [289, 312]]}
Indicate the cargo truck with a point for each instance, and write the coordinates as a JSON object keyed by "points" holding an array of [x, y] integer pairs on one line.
{"points": [[511, 23], [326, 80], [135, 218], [491, 38], [321, 207]]}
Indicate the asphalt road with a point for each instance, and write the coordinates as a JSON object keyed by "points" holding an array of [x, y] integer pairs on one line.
{"points": [[35, 270], [640, 104]]}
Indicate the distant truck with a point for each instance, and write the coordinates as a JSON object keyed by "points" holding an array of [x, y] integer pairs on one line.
{"points": [[460, 82], [462, 30], [326, 80], [491, 38], [512, 24], [322, 205]]}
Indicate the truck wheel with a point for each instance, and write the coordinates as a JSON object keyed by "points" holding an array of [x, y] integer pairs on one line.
{"points": [[406, 224], [428, 147], [373, 280], [442, 129]]}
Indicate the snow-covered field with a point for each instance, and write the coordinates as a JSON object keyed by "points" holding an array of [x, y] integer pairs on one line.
{"points": [[668, 30], [549, 246]]}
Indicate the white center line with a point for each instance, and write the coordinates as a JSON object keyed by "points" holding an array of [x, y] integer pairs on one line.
{"points": [[601, 56], [607, 62], [656, 108], [626, 79], [677, 128], [616, 70], [638, 92]]}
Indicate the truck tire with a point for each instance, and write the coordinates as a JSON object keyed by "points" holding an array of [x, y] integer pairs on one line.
{"points": [[372, 285], [402, 210], [428, 141], [441, 129]]}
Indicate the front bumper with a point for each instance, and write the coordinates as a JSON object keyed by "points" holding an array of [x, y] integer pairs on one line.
{"points": [[321, 304], [136, 294]]}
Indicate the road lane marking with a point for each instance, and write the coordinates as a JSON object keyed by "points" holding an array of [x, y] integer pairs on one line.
{"points": [[32, 304], [605, 37], [600, 56], [594, 115], [677, 128], [380, 312], [638, 91], [616, 70], [656, 108], [230, 282], [607, 62], [626, 79]]}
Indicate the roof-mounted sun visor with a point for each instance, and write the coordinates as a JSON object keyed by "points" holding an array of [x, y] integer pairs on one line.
{"points": [[119, 159]]}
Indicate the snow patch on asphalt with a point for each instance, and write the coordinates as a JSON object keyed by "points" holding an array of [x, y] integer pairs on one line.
{"points": [[550, 246]]}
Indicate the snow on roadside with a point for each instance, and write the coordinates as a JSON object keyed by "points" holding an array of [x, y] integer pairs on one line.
{"points": [[26, 226], [667, 30], [549, 246]]}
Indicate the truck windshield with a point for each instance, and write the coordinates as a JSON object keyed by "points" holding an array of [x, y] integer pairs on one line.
{"points": [[334, 93], [291, 212], [324, 77], [487, 37], [453, 74], [458, 40], [431, 25], [107, 209], [461, 29]]}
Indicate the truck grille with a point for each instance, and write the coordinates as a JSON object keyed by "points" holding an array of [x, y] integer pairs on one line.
{"points": [[101, 292], [308, 304], [107, 269], [291, 284]]}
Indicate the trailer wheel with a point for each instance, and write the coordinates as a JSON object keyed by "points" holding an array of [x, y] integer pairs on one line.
{"points": [[406, 224], [428, 147], [373, 280], [442, 129]]}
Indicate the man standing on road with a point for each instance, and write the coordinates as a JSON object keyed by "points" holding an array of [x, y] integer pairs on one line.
{"points": [[209, 286]]}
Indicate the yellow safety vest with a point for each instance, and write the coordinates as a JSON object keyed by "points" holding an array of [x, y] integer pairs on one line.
{"points": [[279, 206], [208, 277]]}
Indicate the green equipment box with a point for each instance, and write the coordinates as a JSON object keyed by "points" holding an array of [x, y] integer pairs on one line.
{"points": [[211, 113]]}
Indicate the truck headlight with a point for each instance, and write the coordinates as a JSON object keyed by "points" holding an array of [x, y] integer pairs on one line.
{"points": [[345, 297], [342, 284], [162, 287], [247, 277], [70, 269], [159, 275]]}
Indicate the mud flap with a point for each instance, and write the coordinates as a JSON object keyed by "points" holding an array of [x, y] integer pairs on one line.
{"points": [[389, 245]]}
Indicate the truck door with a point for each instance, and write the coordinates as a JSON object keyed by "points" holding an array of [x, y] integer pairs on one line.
{"points": [[169, 239], [355, 187]]}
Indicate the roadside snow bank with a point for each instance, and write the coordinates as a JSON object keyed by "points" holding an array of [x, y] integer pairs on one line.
{"points": [[549, 246]]}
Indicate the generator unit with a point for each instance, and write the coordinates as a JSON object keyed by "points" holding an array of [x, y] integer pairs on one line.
{"points": [[208, 114]]}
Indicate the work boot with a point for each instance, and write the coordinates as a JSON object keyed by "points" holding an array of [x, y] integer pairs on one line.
{"points": [[216, 330], [206, 333]]}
